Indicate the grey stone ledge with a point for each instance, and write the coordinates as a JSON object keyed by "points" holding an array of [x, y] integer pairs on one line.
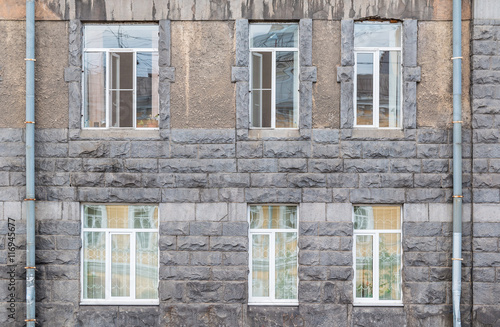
{"points": [[345, 74], [412, 74], [203, 136], [167, 74], [72, 74], [239, 74], [308, 74]]}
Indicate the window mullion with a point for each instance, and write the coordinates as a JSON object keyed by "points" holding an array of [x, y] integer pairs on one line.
{"points": [[272, 268], [132, 247], [376, 87], [134, 91], [376, 267], [107, 277], [273, 90], [108, 86]]}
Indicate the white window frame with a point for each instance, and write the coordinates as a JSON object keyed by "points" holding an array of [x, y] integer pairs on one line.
{"points": [[273, 82], [375, 51], [270, 300], [108, 232], [375, 233], [108, 52]]}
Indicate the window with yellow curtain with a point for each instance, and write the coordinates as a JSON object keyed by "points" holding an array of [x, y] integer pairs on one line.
{"points": [[273, 254]]}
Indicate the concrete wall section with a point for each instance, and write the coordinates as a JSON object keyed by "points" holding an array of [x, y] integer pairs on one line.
{"points": [[435, 91], [203, 95]]}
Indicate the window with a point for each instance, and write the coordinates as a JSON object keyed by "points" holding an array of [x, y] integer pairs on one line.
{"points": [[378, 77], [120, 76], [377, 255], [273, 254], [274, 77], [120, 254]]}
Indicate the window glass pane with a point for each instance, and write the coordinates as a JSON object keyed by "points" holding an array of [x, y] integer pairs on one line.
{"points": [[146, 266], [94, 265], [286, 88], [286, 266], [390, 266], [262, 69], [120, 265], [390, 88], [147, 89], [364, 266], [377, 35], [145, 216], [273, 217], [117, 216], [364, 88], [274, 35], [94, 216], [261, 95], [121, 36], [260, 265], [94, 67], [121, 108], [377, 217]]}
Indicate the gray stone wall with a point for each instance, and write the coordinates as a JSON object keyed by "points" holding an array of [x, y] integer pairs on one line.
{"points": [[203, 181], [486, 156]]}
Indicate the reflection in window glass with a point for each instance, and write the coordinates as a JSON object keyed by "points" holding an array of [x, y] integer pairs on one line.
{"points": [[274, 75], [121, 76], [274, 36], [378, 75], [274, 252], [370, 34], [377, 243], [125, 239]]}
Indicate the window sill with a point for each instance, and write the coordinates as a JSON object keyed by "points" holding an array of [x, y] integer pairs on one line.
{"points": [[117, 134], [378, 304], [294, 304], [151, 302], [273, 133], [364, 133]]}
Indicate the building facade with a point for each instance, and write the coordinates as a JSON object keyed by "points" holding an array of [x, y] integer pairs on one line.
{"points": [[250, 163]]}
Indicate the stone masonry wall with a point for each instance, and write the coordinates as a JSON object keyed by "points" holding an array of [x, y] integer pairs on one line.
{"points": [[203, 181], [486, 160]]}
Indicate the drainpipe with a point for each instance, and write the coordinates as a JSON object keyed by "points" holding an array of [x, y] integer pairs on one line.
{"points": [[30, 163], [457, 161]]}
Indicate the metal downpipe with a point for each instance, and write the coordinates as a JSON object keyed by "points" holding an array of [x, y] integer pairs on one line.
{"points": [[457, 161], [30, 163]]}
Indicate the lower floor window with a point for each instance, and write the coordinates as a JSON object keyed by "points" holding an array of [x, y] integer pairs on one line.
{"points": [[377, 251], [273, 254], [120, 254]]}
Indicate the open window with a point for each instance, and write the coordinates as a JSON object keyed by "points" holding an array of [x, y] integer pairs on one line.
{"points": [[378, 75], [120, 76], [274, 77]]}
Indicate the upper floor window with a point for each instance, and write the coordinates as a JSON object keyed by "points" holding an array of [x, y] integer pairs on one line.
{"points": [[120, 254], [273, 254], [120, 76], [274, 77], [377, 255], [378, 75]]}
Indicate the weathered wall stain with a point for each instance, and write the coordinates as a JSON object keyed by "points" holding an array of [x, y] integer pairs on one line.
{"points": [[123, 10]]}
